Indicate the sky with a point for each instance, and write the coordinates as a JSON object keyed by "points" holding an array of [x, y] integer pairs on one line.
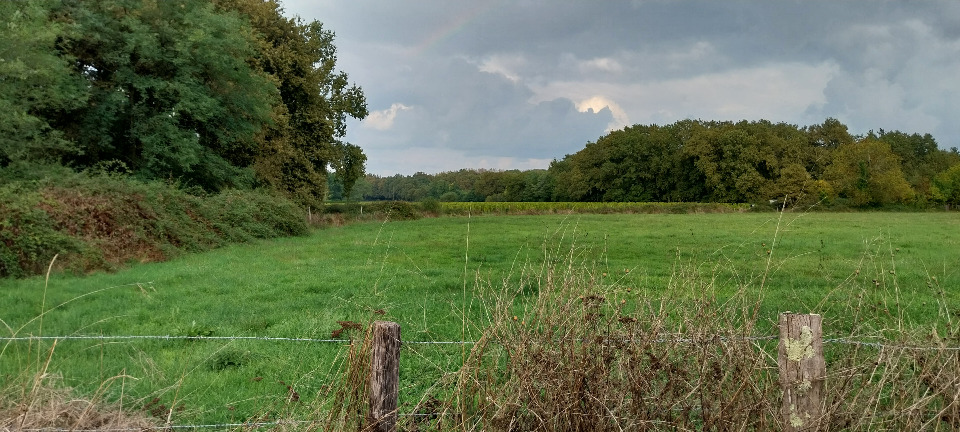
{"points": [[515, 84]]}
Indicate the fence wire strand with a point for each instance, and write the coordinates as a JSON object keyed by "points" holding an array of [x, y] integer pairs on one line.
{"points": [[259, 425], [256, 425], [842, 341]]}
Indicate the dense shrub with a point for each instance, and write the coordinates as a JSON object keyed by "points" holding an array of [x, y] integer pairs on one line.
{"points": [[28, 236], [381, 210], [100, 221]]}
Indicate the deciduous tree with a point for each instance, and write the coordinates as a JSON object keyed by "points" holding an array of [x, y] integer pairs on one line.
{"points": [[946, 186], [306, 135], [171, 94], [867, 172], [36, 84]]}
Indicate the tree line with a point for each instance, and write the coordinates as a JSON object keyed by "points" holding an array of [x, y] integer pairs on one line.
{"points": [[710, 161], [209, 94]]}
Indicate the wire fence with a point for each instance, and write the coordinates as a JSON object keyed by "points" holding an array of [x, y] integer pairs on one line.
{"points": [[666, 338], [254, 425], [701, 340]]}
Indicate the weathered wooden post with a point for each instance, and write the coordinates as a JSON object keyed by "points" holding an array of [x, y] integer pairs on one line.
{"points": [[384, 376], [802, 370]]}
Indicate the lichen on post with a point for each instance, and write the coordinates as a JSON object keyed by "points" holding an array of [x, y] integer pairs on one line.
{"points": [[802, 370]]}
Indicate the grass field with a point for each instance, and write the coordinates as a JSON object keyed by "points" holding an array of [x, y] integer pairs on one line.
{"points": [[436, 278]]}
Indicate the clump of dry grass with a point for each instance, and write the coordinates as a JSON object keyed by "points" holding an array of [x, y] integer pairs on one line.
{"points": [[582, 353], [39, 401], [348, 408]]}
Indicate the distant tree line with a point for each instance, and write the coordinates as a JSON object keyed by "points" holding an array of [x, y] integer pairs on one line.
{"points": [[709, 161], [211, 94]]}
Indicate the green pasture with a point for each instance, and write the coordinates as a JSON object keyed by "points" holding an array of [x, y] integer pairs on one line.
{"points": [[437, 278]]}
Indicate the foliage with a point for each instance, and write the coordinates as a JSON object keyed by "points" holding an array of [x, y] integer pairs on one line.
{"points": [[36, 85], [921, 158], [540, 208], [756, 162], [103, 221], [170, 92], [946, 186], [868, 173], [638, 163], [218, 95], [350, 167], [28, 235], [304, 138]]}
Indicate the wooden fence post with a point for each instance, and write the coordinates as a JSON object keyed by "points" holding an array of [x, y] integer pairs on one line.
{"points": [[802, 370], [384, 376]]}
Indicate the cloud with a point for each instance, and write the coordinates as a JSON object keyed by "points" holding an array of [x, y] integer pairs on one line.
{"points": [[776, 92], [502, 82], [383, 120], [470, 116], [600, 65], [598, 103], [505, 65], [897, 75]]}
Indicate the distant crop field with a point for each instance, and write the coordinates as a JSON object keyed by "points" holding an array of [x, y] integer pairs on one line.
{"points": [[482, 208], [439, 278]]}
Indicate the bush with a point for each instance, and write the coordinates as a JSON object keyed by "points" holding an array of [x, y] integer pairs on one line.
{"points": [[100, 221], [430, 205], [396, 210], [28, 235]]}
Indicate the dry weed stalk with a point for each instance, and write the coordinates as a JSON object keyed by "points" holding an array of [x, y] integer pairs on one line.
{"points": [[40, 402], [584, 354]]}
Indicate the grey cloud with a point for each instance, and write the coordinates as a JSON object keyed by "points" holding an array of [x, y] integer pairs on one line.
{"points": [[458, 106], [896, 76], [502, 77]]}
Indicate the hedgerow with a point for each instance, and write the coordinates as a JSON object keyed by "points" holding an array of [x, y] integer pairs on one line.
{"points": [[102, 221]]}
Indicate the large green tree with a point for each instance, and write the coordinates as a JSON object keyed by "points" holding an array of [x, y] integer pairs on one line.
{"points": [[171, 94], [36, 84], [823, 139], [305, 139], [210, 93], [744, 161], [920, 156], [946, 186], [868, 172], [637, 163]]}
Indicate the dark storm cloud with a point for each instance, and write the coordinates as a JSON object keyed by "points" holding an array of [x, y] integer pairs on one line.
{"points": [[513, 83]]}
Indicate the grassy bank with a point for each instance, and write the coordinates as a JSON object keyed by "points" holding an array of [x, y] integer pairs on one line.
{"points": [[103, 222], [453, 279]]}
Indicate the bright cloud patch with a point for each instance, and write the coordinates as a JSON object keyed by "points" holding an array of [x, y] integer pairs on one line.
{"points": [[774, 92], [603, 64], [383, 120], [505, 65], [597, 103]]}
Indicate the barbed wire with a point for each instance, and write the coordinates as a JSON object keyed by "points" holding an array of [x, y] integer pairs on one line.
{"points": [[173, 337], [259, 425], [705, 339], [879, 345], [256, 425], [170, 427]]}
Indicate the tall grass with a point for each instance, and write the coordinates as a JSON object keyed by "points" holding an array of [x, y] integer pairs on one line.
{"points": [[588, 354]]}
